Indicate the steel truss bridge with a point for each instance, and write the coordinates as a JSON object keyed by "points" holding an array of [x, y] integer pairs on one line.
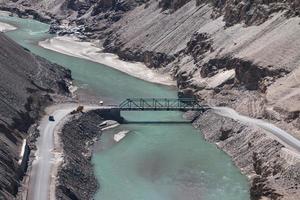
{"points": [[161, 104]]}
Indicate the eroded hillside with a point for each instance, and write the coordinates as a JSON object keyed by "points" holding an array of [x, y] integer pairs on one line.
{"points": [[26, 85]]}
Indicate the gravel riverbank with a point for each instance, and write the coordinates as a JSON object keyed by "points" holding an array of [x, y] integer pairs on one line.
{"points": [[76, 179]]}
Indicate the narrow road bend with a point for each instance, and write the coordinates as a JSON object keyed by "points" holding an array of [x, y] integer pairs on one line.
{"points": [[40, 175]]}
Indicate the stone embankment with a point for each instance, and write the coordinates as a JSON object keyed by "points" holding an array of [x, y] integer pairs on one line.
{"points": [[76, 179]]}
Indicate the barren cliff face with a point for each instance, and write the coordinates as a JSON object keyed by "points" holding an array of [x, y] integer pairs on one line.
{"points": [[211, 54], [26, 82]]}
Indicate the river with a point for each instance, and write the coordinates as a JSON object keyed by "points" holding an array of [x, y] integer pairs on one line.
{"points": [[155, 161]]}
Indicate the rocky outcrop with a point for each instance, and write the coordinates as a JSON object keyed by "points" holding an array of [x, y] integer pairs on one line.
{"points": [[272, 169], [27, 12], [76, 179], [26, 85], [247, 74], [251, 12], [172, 5], [199, 44], [150, 58]]}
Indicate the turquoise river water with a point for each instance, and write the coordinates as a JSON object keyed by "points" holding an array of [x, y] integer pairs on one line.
{"points": [[155, 161]]}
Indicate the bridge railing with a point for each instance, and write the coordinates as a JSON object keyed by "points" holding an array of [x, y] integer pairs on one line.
{"points": [[160, 104]]}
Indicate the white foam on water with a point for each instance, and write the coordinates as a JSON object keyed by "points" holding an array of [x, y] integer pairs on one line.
{"points": [[119, 136]]}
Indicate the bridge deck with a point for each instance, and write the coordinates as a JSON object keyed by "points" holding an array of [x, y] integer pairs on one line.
{"points": [[161, 104]]}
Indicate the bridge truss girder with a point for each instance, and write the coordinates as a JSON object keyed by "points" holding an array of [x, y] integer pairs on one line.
{"points": [[163, 104]]}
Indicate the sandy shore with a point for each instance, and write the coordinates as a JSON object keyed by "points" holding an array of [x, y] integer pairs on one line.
{"points": [[90, 51], [6, 27]]}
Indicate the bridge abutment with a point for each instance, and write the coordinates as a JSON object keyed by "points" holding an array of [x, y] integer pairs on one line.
{"points": [[112, 114]]}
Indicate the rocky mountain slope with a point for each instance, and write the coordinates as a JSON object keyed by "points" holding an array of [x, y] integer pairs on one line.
{"points": [[241, 54], [204, 44], [273, 169], [26, 85]]}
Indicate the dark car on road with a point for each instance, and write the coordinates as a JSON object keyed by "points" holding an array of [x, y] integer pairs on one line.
{"points": [[51, 118]]}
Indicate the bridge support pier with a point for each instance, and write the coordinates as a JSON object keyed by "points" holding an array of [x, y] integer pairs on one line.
{"points": [[112, 114], [116, 113]]}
